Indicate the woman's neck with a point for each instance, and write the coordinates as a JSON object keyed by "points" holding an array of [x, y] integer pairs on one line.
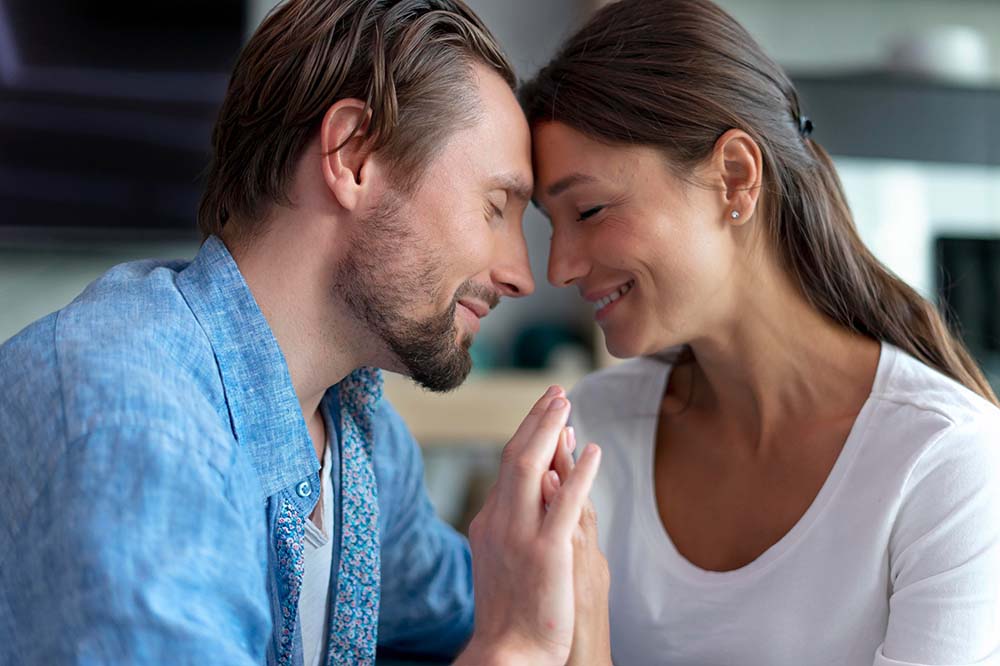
{"points": [[780, 362]]}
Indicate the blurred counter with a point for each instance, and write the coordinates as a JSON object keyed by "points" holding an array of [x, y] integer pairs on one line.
{"points": [[484, 412]]}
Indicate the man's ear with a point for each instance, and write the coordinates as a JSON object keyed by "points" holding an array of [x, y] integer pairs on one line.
{"points": [[739, 164], [346, 151]]}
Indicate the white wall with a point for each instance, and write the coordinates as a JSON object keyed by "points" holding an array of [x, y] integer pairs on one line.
{"points": [[900, 207], [838, 34]]}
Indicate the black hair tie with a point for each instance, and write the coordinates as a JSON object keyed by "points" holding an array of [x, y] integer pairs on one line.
{"points": [[805, 127]]}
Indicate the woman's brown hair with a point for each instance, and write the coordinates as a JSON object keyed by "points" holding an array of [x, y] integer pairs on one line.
{"points": [[410, 61], [678, 74]]}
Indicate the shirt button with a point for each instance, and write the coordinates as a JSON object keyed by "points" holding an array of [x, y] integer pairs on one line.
{"points": [[304, 489]]}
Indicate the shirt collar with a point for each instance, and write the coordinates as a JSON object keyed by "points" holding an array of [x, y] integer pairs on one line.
{"points": [[264, 409]]}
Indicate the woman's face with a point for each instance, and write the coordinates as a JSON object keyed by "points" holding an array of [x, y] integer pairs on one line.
{"points": [[654, 254]]}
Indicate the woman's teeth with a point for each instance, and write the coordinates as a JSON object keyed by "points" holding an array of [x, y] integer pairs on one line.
{"points": [[611, 298]]}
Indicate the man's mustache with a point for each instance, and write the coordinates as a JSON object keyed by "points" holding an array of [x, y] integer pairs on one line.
{"points": [[488, 295]]}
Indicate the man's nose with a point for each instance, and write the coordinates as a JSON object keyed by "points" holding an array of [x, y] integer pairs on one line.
{"points": [[512, 273]]}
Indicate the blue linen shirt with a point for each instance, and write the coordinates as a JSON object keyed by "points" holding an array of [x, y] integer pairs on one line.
{"points": [[149, 433]]}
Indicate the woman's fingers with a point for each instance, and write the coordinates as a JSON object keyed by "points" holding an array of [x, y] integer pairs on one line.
{"points": [[591, 583], [588, 522], [566, 507], [563, 462], [550, 487], [552, 479]]}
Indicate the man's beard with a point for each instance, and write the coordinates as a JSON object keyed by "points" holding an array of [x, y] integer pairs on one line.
{"points": [[388, 272]]}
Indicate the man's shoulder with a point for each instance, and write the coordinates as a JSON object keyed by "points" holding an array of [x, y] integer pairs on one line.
{"points": [[136, 303], [133, 312], [131, 333], [127, 351], [82, 408]]}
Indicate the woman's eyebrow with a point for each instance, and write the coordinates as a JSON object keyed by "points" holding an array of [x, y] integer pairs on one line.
{"points": [[570, 181]]}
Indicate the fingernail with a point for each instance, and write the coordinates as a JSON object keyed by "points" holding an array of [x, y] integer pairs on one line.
{"points": [[553, 478], [554, 389], [558, 403], [591, 450], [570, 439]]}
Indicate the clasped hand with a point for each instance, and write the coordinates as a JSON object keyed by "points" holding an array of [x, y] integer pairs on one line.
{"points": [[541, 582]]}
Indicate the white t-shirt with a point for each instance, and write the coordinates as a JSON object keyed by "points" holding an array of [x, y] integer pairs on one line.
{"points": [[318, 555], [897, 560]]}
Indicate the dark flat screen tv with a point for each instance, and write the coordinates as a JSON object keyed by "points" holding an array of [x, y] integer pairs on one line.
{"points": [[106, 111], [969, 295]]}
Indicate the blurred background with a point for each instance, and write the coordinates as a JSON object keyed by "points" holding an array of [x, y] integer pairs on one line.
{"points": [[106, 110]]}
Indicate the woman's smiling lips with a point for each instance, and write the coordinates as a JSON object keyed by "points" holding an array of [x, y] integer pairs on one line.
{"points": [[604, 300]]}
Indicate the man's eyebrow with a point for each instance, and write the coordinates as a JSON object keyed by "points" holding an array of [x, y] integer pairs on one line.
{"points": [[517, 186]]}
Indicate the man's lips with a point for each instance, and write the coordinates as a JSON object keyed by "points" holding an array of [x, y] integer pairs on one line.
{"points": [[478, 308], [471, 316]]}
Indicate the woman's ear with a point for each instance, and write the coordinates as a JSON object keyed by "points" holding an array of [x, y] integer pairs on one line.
{"points": [[739, 164], [346, 154]]}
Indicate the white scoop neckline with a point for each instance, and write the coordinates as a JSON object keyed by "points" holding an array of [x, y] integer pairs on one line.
{"points": [[648, 512]]}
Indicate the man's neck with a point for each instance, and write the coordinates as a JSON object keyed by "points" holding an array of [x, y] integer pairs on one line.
{"points": [[290, 277]]}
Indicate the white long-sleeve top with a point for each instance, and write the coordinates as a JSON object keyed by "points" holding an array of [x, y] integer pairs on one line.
{"points": [[896, 561]]}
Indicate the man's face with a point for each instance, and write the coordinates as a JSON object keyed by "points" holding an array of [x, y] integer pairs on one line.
{"points": [[426, 267]]}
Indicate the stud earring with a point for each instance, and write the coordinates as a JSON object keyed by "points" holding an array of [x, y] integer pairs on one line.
{"points": [[735, 215]]}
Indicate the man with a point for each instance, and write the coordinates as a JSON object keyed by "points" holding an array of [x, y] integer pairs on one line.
{"points": [[196, 462]]}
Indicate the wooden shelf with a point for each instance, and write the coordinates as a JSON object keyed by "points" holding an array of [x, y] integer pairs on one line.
{"points": [[485, 411]]}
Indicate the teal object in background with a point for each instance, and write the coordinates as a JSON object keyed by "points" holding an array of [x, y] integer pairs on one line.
{"points": [[484, 354], [536, 345]]}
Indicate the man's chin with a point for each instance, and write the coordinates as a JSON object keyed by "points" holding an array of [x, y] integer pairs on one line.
{"points": [[429, 364], [439, 389], [443, 385], [441, 376]]}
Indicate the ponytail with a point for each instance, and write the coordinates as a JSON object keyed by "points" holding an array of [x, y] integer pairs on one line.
{"points": [[841, 278]]}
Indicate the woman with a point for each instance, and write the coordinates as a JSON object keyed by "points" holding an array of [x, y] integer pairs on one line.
{"points": [[810, 473]]}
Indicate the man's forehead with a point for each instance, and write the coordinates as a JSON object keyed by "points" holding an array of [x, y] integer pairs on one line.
{"points": [[494, 150], [494, 166], [500, 135]]}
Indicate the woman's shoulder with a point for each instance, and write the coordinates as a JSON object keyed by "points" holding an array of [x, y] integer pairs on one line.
{"points": [[934, 423], [918, 392]]}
